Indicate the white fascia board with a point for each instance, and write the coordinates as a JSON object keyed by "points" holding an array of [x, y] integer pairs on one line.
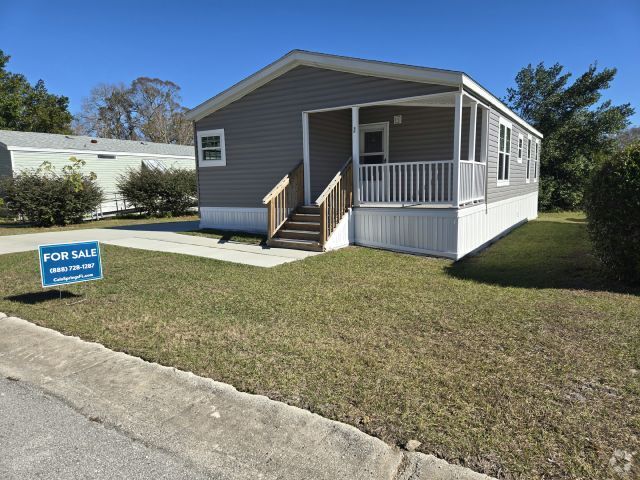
{"points": [[329, 62], [476, 88], [98, 152]]}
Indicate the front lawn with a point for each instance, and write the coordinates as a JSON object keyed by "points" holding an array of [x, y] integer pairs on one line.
{"points": [[8, 227], [522, 362]]}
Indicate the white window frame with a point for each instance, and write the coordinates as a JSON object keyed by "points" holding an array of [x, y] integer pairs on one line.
{"points": [[223, 154], [536, 170], [375, 127], [508, 125], [520, 146], [529, 161]]}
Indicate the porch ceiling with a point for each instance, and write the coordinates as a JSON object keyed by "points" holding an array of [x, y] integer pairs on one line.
{"points": [[438, 100]]}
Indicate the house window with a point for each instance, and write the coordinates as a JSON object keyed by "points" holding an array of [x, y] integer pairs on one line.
{"points": [[107, 157], [520, 142], [528, 179], [504, 153], [211, 148], [536, 163]]}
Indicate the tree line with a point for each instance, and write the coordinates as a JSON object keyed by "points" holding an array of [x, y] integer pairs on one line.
{"points": [[148, 109], [580, 127]]}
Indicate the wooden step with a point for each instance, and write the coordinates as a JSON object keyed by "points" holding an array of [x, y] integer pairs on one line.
{"points": [[305, 217], [295, 243], [306, 226], [314, 209], [299, 234]]}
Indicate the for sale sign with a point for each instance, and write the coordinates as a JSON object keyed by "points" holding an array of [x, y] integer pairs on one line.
{"points": [[66, 263]]}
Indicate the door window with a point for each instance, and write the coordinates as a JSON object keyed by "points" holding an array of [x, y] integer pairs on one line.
{"points": [[373, 143]]}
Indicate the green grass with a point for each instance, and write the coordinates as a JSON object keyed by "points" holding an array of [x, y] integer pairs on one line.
{"points": [[228, 236], [8, 227], [521, 362]]}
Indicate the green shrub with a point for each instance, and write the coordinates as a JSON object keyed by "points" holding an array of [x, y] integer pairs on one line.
{"points": [[159, 192], [612, 203], [44, 197]]}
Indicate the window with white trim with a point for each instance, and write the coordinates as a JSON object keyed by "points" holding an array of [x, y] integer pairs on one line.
{"points": [[528, 179], [536, 163], [211, 148], [504, 152], [520, 145]]}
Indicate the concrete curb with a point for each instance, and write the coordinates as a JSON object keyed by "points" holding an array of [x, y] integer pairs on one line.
{"points": [[233, 435]]}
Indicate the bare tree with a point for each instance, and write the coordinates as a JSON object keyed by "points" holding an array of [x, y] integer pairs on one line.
{"points": [[629, 136], [149, 109]]}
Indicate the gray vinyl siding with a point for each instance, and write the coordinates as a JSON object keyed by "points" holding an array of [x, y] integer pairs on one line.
{"points": [[5, 162], [263, 129], [517, 177], [425, 134], [107, 170], [329, 146]]}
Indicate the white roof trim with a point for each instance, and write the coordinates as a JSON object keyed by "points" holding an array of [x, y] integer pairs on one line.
{"points": [[350, 65], [296, 58], [97, 152], [482, 92]]}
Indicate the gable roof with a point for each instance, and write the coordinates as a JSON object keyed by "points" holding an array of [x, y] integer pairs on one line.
{"points": [[78, 143], [357, 66]]}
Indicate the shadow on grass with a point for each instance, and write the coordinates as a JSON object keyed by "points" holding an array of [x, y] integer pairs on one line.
{"points": [[540, 254], [181, 226], [33, 298], [224, 236]]}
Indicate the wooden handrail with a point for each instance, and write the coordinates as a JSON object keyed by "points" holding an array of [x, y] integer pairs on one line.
{"points": [[333, 182], [284, 198], [281, 185], [335, 201]]}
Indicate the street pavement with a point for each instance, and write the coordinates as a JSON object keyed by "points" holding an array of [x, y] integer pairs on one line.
{"points": [[42, 437]]}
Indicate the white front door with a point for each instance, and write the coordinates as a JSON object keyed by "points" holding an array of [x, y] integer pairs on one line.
{"points": [[374, 143]]}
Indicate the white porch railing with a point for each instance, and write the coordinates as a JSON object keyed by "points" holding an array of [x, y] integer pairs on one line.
{"points": [[407, 182], [472, 181], [421, 182]]}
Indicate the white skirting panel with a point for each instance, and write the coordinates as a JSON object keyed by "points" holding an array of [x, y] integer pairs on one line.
{"points": [[414, 230], [229, 218], [481, 224], [342, 235]]}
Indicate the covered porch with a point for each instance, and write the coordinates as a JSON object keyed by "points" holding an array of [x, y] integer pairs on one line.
{"points": [[427, 151], [426, 155]]}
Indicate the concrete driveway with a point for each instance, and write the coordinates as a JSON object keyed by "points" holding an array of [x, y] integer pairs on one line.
{"points": [[160, 237]]}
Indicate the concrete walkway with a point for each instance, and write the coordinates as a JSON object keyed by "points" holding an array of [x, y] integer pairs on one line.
{"points": [[207, 424], [160, 237]]}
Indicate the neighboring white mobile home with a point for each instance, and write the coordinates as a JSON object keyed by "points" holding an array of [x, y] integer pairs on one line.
{"points": [[107, 158], [321, 151]]}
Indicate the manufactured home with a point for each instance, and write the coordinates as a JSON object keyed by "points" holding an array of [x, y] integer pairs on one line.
{"points": [[107, 158], [321, 151]]}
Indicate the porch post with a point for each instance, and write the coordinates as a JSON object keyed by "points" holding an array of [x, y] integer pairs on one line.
{"points": [[472, 131], [306, 161], [484, 135], [355, 153], [484, 152], [457, 134]]}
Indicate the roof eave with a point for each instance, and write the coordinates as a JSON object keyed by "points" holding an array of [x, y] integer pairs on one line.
{"points": [[345, 64], [495, 102]]}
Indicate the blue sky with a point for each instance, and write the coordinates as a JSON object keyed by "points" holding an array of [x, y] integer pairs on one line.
{"points": [[207, 46]]}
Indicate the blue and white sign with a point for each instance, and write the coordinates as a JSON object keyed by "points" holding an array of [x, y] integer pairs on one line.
{"points": [[66, 263]]}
